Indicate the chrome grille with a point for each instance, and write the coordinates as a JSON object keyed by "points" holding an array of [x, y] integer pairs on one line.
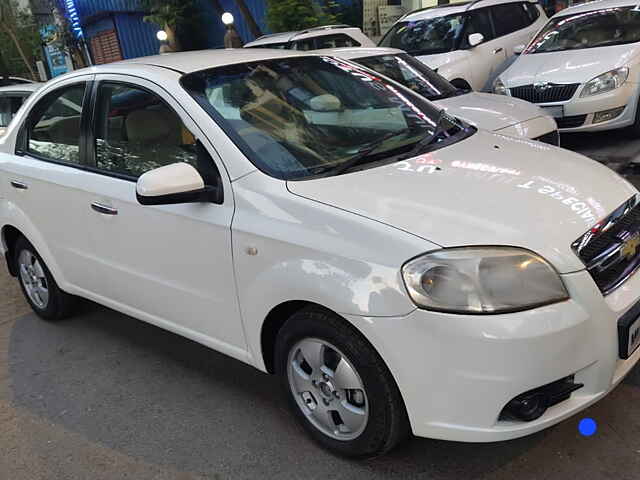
{"points": [[611, 249], [545, 92]]}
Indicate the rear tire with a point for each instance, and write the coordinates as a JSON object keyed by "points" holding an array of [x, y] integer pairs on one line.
{"points": [[38, 285], [337, 386]]}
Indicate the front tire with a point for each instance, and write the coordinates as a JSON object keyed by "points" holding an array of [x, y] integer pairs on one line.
{"points": [[38, 286], [338, 387]]}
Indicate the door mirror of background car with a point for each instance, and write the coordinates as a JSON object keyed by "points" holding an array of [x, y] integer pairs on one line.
{"points": [[175, 183], [475, 39], [518, 49]]}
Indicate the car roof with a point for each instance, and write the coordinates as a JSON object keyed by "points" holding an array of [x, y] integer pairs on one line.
{"points": [[595, 5], [452, 8], [299, 34], [282, 37], [187, 62], [21, 88], [351, 53]]}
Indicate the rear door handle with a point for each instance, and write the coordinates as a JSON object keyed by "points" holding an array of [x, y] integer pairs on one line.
{"points": [[19, 185], [104, 209], [497, 50]]}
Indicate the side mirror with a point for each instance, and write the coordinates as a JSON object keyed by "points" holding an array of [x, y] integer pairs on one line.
{"points": [[475, 39], [173, 184], [518, 49]]}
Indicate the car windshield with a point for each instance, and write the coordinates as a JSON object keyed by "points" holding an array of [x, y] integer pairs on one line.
{"points": [[427, 36], [598, 28], [412, 73], [306, 116]]}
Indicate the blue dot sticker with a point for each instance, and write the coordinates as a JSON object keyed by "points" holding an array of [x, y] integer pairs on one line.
{"points": [[587, 427]]}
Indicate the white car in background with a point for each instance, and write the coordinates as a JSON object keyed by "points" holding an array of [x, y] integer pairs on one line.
{"points": [[504, 115], [11, 99], [468, 43], [392, 268], [583, 67], [328, 36]]}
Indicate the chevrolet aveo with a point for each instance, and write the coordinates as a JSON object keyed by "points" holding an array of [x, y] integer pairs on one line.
{"points": [[399, 269]]}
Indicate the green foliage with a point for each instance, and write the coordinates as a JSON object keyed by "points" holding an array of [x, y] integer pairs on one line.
{"points": [[168, 12], [288, 15], [21, 24]]}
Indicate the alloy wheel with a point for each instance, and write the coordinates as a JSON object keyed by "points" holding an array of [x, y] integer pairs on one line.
{"points": [[327, 389], [33, 279]]}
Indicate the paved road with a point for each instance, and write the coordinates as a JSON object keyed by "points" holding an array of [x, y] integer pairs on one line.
{"points": [[103, 396]]}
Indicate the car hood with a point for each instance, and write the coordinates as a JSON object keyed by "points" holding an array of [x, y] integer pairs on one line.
{"points": [[488, 189], [571, 66], [491, 112], [441, 60]]}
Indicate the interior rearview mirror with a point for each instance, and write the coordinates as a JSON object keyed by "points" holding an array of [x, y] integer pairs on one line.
{"points": [[173, 184], [475, 39], [518, 49]]}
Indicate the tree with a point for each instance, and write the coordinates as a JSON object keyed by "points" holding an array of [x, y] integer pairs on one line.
{"points": [[21, 33], [288, 15], [169, 15]]}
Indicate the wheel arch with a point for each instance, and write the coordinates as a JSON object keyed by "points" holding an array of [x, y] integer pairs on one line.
{"points": [[460, 82], [272, 325], [9, 235]]}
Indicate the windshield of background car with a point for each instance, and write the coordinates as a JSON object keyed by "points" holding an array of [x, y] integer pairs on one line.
{"points": [[427, 36], [304, 116], [411, 73], [598, 28]]}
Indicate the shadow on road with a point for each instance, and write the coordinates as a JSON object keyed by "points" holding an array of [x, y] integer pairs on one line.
{"points": [[156, 396]]}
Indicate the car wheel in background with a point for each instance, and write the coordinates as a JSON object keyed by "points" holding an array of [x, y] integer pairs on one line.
{"points": [[337, 385]]}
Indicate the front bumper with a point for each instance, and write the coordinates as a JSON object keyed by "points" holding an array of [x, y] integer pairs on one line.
{"points": [[579, 112], [457, 372]]}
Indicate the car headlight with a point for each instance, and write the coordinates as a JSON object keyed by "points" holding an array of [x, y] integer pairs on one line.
{"points": [[499, 88], [605, 82], [482, 280]]}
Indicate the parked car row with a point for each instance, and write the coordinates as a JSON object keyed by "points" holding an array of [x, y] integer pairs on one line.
{"points": [[581, 67], [346, 228]]}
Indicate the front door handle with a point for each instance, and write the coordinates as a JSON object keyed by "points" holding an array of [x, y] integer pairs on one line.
{"points": [[104, 209], [19, 185], [497, 50]]}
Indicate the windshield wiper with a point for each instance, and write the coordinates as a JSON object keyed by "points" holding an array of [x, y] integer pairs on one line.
{"points": [[429, 138], [361, 156]]}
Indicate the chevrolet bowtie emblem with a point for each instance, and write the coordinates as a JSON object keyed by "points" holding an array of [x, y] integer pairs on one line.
{"points": [[630, 246]]}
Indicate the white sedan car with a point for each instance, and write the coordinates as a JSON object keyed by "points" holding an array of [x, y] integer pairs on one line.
{"points": [[583, 67], [401, 270], [508, 116]]}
